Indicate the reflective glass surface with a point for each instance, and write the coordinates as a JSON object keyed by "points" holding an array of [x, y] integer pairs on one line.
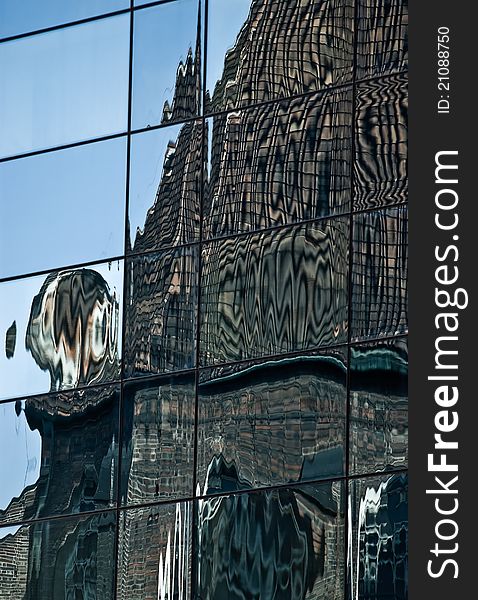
{"points": [[158, 439], [22, 16], [61, 330], [284, 544], [382, 37], [381, 148], [379, 276], [154, 554], [167, 63], [274, 292], [64, 86], [165, 182], [58, 454], [279, 164], [161, 312], [59, 559], [378, 406], [274, 422], [378, 544], [62, 207], [260, 50]]}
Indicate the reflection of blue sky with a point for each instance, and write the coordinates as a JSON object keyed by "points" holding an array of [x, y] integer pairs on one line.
{"points": [[62, 208], [226, 18], [147, 159], [63, 86], [162, 37], [22, 16], [20, 375], [20, 449]]}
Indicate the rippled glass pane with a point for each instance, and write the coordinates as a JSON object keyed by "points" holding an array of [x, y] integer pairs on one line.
{"points": [[286, 543], [22, 16], [165, 181], [279, 164], [158, 439], [161, 312], [259, 51], [379, 276], [58, 454], [61, 331], [274, 292], [59, 559], [274, 422], [63, 207], [378, 544], [167, 63], [381, 145], [382, 37], [378, 406], [64, 86], [154, 555]]}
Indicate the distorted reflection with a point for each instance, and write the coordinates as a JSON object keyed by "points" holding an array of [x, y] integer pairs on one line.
{"points": [[274, 422], [154, 554], [274, 292], [158, 439], [378, 406], [283, 544], [70, 324], [59, 559], [378, 538]]}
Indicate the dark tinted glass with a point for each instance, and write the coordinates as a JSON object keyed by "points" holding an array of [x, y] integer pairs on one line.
{"points": [[285, 544], [259, 51], [382, 37], [378, 549], [379, 277], [381, 148], [158, 439], [63, 207], [274, 292], [161, 312], [165, 183], [167, 63], [274, 422], [58, 454], [378, 406], [29, 15], [59, 559], [154, 555], [64, 86], [61, 331], [279, 164]]}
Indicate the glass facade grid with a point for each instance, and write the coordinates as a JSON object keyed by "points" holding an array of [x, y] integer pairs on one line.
{"points": [[204, 367]]}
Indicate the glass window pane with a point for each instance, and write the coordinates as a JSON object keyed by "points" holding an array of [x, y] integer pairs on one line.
{"points": [[165, 181], [167, 63], [58, 454], [158, 439], [58, 559], [155, 553], [62, 208], [61, 331], [378, 552], [22, 16], [252, 413], [266, 544], [378, 406], [274, 292], [64, 86], [259, 51]]}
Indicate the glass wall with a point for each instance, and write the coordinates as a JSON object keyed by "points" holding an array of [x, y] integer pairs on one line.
{"points": [[203, 300]]}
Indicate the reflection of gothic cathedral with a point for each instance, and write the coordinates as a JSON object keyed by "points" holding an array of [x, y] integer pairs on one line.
{"points": [[269, 293]]}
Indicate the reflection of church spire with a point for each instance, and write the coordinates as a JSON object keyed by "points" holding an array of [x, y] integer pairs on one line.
{"points": [[187, 92]]}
